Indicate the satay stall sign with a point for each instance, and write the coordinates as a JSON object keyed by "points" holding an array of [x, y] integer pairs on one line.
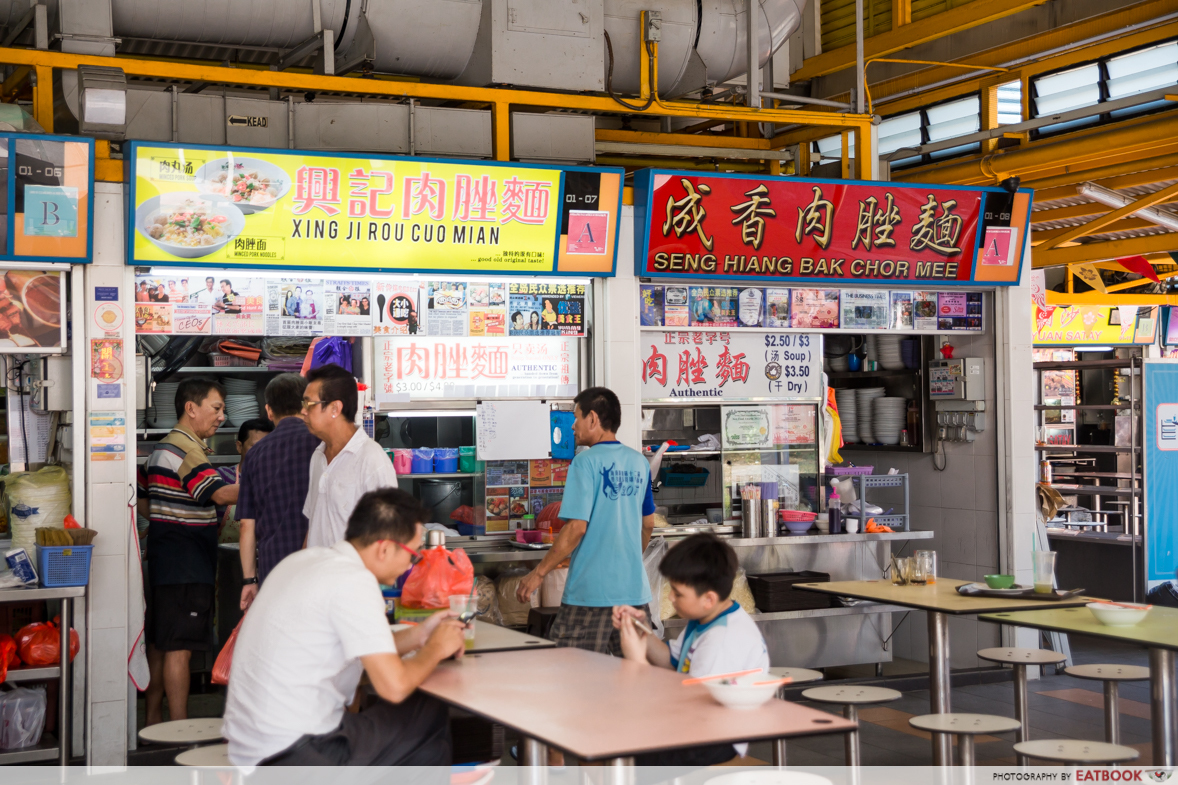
{"points": [[729, 366], [801, 230]]}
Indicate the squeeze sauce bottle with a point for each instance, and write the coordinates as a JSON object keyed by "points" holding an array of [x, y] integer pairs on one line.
{"points": [[834, 513]]}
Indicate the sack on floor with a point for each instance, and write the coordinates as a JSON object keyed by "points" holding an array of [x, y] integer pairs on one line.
{"points": [[225, 658], [439, 574]]}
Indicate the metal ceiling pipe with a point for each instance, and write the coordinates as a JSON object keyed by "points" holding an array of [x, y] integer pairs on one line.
{"points": [[723, 34], [1098, 193], [1141, 137]]}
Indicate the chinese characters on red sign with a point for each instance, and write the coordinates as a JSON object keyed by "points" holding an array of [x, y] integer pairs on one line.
{"points": [[792, 229]]}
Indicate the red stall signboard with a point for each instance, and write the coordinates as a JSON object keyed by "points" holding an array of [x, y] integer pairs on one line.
{"points": [[802, 230]]}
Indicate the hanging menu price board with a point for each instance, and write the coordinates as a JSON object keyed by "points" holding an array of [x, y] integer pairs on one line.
{"points": [[730, 366]]}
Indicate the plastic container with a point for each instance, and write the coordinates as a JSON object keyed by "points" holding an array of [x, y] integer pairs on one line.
{"points": [[715, 514], [64, 565], [403, 461], [446, 460], [467, 463], [849, 471], [423, 460], [674, 479], [834, 514]]}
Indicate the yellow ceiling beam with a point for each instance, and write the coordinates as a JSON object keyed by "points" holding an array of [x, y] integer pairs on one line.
{"points": [[694, 140], [1028, 47], [963, 17], [1123, 225], [1127, 174], [1096, 224], [1120, 287], [1099, 252], [1075, 210], [1111, 299]]}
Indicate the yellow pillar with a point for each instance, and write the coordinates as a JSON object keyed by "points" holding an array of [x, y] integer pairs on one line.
{"points": [[846, 159], [989, 96], [43, 98], [501, 131], [901, 13]]}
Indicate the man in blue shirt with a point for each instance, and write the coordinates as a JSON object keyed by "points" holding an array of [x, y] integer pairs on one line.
{"points": [[609, 514]]}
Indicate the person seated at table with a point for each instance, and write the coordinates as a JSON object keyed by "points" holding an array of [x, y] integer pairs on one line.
{"points": [[719, 638], [317, 623]]}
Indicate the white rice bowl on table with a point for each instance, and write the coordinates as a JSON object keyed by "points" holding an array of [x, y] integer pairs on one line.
{"points": [[251, 184], [189, 225]]}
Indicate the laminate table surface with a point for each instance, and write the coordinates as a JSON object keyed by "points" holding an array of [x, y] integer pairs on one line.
{"points": [[599, 707], [941, 596]]}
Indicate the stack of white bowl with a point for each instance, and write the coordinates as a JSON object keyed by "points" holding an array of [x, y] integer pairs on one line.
{"points": [[871, 349], [890, 356], [839, 364], [889, 417], [847, 414], [863, 398], [241, 400], [162, 412]]}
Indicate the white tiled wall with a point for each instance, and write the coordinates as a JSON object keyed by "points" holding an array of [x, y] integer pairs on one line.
{"points": [[616, 319]]}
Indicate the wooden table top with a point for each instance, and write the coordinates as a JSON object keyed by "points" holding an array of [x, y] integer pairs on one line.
{"points": [[598, 707], [491, 637], [941, 596], [1159, 629]]}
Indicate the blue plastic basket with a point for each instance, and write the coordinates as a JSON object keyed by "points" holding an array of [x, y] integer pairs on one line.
{"points": [[64, 565]]}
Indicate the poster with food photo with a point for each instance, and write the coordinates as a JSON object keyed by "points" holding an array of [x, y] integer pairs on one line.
{"points": [[814, 308], [498, 502], [31, 311], [446, 308], [676, 306], [153, 318]]}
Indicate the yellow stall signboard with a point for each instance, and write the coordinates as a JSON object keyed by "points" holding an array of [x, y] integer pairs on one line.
{"points": [[223, 207], [1092, 325]]}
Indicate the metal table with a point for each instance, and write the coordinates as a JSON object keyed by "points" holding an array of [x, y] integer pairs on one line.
{"points": [[939, 600], [491, 637], [601, 708], [61, 672], [1158, 632]]}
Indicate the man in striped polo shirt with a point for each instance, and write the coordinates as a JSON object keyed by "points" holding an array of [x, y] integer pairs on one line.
{"points": [[182, 493]]}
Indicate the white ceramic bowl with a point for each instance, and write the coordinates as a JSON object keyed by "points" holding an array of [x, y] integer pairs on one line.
{"points": [[280, 181], [1117, 616], [234, 224], [743, 694]]}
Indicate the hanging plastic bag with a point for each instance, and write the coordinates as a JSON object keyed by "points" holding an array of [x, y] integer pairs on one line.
{"points": [[225, 658], [332, 350], [22, 718], [39, 644], [439, 574], [650, 561]]}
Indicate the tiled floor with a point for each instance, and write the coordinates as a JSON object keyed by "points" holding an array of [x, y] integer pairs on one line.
{"points": [[1061, 707]]}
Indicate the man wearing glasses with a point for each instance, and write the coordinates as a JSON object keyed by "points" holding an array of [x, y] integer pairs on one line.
{"points": [[347, 465], [317, 622]]}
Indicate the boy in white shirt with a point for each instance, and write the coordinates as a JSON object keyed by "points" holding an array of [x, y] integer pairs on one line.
{"points": [[719, 638]]}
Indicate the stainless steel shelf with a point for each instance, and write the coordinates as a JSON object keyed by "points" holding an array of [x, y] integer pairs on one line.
{"points": [[220, 369], [33, 674], [436, 476], [46, 750], [35, 593], [812, 613]]}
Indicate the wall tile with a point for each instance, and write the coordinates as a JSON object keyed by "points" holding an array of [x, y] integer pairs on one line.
{"points": [[985, 483], [924, 481], [957, 482], [109, 665], [108, 723], [108, 588], [986, 531], [960, 541], [963, 642], [956, 570]]}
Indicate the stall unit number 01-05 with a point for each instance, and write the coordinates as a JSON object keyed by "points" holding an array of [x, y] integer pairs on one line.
{"points": [[730, 366]]}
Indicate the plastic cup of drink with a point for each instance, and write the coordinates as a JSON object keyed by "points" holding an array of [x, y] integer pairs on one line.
{"points": [[465, 603], [928, 560], [1044, 577]]}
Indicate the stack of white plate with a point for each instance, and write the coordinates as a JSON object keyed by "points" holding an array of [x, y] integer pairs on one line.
{"points": [[890, 356], [889, 417], [241, 400], [847, 414], [162, 412], [863, 398]]}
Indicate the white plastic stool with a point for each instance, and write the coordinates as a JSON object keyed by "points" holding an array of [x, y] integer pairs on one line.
{"points": [[965, 727], [1020, 659], [1076, 752], [1110, 675]]}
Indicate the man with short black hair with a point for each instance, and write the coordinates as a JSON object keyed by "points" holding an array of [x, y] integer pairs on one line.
{"points": [[316, 625], [348, 464], [609, 514], [274, 478], [180, 496]]}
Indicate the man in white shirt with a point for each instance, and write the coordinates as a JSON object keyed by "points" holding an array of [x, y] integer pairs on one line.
{"points": [[206, 296], [317, 623], [347, 465]]}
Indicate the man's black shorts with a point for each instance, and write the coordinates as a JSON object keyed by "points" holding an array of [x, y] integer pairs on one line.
{"points": [[180, 617]]}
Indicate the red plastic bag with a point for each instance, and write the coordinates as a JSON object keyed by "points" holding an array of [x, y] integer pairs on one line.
{"points": [[7, 655], [39, 644], [549, 518], [439, 574], [225, 658], [463, 514]]}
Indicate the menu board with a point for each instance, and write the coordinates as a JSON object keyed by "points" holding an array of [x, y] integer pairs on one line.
{"points": [[512, 430], [729, 366]]}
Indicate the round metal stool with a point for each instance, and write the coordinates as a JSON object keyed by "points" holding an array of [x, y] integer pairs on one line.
{"points": [[1110, 675], [213, 756], [1076, 752], [965, 727], [1020, 659], [850, 698], [191, 732]]}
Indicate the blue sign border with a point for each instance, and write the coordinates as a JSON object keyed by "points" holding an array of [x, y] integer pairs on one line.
{"points": [[10, 254], [131, 156], [644, 193]]}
